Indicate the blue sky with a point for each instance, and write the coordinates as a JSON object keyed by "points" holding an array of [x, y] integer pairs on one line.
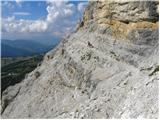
{"points": [[40, 19], [36, 9]]}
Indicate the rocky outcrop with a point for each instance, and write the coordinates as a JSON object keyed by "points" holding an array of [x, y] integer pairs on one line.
{"points": [[94, 73], [122, 17], [123, 10]]}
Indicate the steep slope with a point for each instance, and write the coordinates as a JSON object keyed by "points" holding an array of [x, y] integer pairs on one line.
{"points": [[99, 71]]}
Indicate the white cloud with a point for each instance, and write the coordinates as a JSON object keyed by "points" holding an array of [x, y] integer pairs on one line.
{"points": [[81, 6], [11, 25], [59, 9], [19, 2], [21, 13], [61, 19], [68, 12], [10, 18], [7, 4]]}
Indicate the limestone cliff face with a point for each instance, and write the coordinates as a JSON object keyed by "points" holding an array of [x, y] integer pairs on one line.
{"points": [[122, 10], [123, 16], [108, 68]]}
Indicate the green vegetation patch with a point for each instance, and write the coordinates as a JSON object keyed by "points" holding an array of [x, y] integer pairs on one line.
{"points": [[14, 72]]}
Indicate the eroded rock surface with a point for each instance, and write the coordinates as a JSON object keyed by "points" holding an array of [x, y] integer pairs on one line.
{"points": [[123, 10], [93, 73]]}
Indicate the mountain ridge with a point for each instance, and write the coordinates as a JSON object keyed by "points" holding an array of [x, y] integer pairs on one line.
{"points": [[14, 48]]}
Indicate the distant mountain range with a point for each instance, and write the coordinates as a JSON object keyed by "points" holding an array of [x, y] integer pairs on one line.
{"points": [[14, 48]]}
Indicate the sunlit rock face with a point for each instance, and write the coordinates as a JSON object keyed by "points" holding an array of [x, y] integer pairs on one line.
{"points": [[108, 68], [123, 10], [123, 16]]}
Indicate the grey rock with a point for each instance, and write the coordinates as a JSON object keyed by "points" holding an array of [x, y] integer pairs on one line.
{"points": [[97, 76]]}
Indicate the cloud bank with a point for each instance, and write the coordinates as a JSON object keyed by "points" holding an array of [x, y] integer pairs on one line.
{"points": [[61, 19]]}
